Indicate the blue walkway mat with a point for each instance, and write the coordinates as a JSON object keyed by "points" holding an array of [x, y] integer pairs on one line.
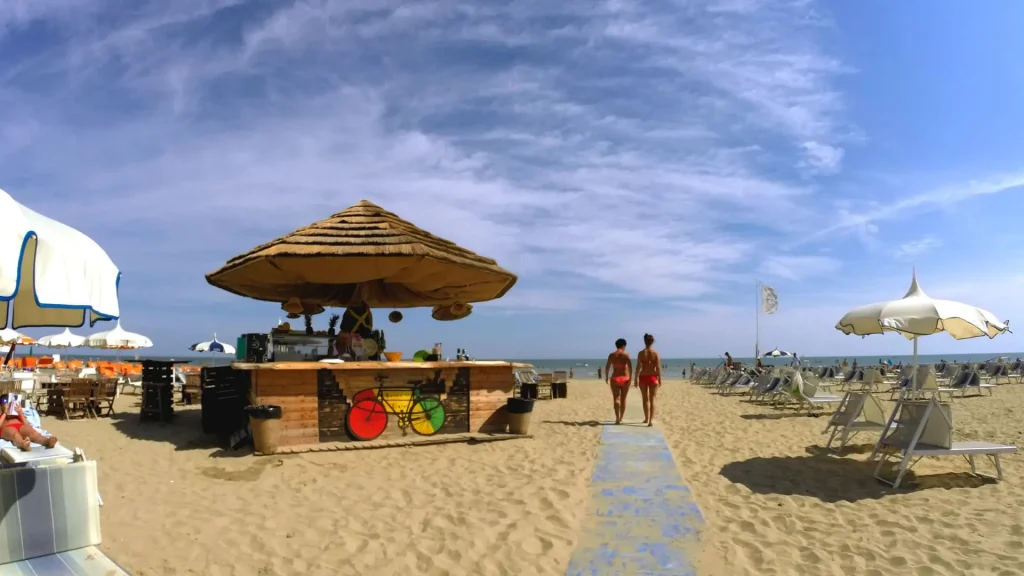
{"points": [[642, 519]]}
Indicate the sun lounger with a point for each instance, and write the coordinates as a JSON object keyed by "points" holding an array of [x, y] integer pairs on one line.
{"points": [[925, 428], [857, 412], [51, 524], [807, 393], [967, 380]]}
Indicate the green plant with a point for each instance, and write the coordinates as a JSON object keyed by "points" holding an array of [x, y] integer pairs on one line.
{"points": [[309, 324], [378, 335], [332, 324]]}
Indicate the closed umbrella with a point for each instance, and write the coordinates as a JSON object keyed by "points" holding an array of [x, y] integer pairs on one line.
{"points": [[363, 255], [917, 314], [50, 273], [63, 340]]}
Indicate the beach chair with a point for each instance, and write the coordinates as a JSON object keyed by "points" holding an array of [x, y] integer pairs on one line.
{"points": [[857, 412], [765, 387], [806, 393], [51, 523], [966, 380], [742, 384], [925, 428]]}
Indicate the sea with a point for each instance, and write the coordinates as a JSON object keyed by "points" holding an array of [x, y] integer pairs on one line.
{"points": [[587, 367]]}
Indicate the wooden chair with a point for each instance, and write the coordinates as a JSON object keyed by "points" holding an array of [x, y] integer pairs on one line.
{"points": [[191, 392], [104, 393], [77, 397]]}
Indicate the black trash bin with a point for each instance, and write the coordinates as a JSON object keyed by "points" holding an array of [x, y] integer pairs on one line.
{"points": [[519, 411], [265, 423], [528, 391]]}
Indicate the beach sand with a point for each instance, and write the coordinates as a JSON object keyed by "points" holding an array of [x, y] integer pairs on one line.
{"points": [[773, 503]]}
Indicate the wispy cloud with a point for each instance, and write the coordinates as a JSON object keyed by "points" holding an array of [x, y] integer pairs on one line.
{"points": [[909, 250], [635, 153], [799, 267]]}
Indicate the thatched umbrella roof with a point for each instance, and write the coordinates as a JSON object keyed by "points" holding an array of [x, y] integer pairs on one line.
{"points": [[363, 254]]}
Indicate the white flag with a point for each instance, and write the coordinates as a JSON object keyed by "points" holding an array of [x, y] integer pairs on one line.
{"points": [[769, 300]]}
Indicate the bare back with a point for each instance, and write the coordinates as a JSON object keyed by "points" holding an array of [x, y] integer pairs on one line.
{"points": [[648, 363], [620, 363]]}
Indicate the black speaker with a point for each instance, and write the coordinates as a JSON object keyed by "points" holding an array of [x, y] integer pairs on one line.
{"points": [[257, 348]]}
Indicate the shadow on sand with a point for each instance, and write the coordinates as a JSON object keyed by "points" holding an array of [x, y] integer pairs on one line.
{"points": [[833, 479], [184, 431], [780, 416]]}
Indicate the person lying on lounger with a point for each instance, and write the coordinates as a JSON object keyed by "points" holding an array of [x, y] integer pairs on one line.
{"points": [[16, 430]]}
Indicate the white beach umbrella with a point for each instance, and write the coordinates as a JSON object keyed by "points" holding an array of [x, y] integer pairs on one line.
{"points": [[776, 354], [8, 336], [63, 340], [52, 274], [214, 345], [118, 339], [917, 314]]}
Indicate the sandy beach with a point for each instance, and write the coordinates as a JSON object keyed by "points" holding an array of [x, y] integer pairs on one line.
{"points": [[774, 503]]}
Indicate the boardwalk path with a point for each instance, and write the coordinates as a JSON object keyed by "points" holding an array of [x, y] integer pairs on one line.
{"points": [[641, 518]]}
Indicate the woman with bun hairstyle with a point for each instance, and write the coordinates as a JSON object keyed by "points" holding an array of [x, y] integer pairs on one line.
{"points": [[648, 377]]}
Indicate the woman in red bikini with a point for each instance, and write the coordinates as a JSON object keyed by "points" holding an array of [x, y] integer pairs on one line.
{"points": [[648, 377], [618, 372], [17, 431]]}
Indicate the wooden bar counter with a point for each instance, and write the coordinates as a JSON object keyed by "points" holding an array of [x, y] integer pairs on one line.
{"points": [[315, 396]]}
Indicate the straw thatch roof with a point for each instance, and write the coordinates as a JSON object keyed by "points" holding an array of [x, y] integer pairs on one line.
{"points": [[364, 253]]}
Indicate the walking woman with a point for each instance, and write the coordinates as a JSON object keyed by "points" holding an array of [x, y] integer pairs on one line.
{"points": [[618, 373], [648, 377]]}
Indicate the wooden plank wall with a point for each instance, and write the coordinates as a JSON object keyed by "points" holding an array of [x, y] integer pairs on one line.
{"points": [[295, 392], [482, 409], [489, 391]]}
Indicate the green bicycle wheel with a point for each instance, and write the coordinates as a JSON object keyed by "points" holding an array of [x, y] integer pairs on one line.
{"points": [[426, 416]]}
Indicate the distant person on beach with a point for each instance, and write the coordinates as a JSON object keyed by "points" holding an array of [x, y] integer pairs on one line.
{"points": [[16, 430], [618, 371], [728, 360], [571, 374], [598, 373], [648, 377]]}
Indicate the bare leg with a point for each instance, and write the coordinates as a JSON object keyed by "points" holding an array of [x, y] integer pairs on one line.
{"points": [[652, 392], [14, 437], [646, 396], [618, 403], [34, 435], [623, 392]]}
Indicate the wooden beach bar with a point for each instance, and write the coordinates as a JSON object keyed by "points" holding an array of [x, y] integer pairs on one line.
{"points": [[339, 388], [315, 397]]}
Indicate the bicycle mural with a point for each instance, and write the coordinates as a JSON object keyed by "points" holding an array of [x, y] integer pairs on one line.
{"points": [[426, 407]]}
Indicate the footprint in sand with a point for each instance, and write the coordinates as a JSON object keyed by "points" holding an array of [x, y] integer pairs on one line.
{"points": [[250, 474]]}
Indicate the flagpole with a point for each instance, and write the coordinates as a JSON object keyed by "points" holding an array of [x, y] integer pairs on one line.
{"points": [[757, 320]]}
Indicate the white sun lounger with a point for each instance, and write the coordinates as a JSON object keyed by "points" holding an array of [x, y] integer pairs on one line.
{"points": [[52, 522], [846, 422], [925, 428], [967, 380], [807, 393]]}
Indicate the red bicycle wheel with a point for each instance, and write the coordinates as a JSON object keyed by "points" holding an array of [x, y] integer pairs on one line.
{"points": [[366, 419], [368, 394]]}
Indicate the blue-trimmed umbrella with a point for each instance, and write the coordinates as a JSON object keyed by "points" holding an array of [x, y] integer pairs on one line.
{"points": [[215, 346], [776, 354]]}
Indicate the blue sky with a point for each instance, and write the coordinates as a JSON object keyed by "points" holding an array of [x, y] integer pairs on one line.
{"points": [[640, 165]]}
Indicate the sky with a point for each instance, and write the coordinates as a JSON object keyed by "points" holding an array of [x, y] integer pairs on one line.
{"points": [[640, 165]]}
